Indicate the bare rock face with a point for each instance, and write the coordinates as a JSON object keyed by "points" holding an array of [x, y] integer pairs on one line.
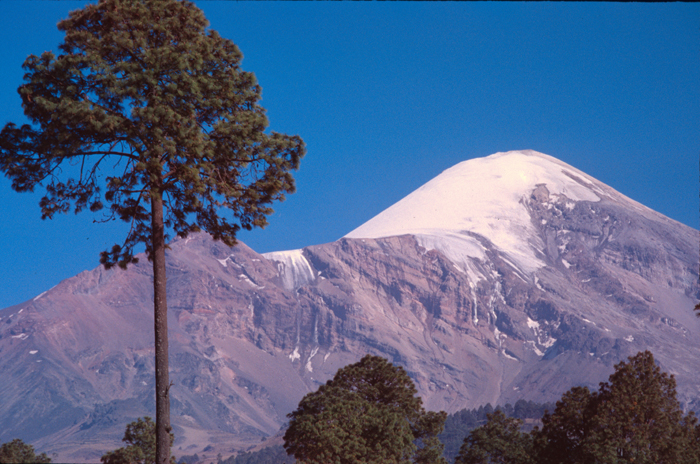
{"points": [[473, 317]]}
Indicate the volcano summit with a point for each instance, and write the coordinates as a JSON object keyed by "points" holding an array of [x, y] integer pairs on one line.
{"points": [[506, 277]]}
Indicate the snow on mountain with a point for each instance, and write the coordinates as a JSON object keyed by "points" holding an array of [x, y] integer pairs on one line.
{"points": [[510, 277], [293, 268], [483, 196]]}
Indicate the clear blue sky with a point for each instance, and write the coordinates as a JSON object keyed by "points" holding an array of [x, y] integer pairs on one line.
{"points": [[388, 95]]}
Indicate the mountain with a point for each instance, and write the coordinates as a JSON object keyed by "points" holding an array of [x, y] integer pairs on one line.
{"points": [[506, 277]]}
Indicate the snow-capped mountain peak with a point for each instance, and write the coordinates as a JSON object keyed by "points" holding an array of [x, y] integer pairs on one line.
{"points": [[483, 196]]}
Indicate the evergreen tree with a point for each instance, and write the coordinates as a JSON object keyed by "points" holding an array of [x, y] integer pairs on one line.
{"points": [[634, 417], [17, 451], [368, 413], [140, 437], [497, 441], [147, 114], [566, 431], [638, 418]]}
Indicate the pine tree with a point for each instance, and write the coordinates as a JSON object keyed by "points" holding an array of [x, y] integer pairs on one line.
{"points": [[638, 418], [147, 114], [497, 441], [19, 452], [368, 413], [634, 417], [565, 432]]}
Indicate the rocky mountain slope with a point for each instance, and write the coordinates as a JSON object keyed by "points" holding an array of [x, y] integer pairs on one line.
{"points": [[506, 277]]}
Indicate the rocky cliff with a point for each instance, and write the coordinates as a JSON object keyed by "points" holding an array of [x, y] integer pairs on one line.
{"points": [[513, 276]]}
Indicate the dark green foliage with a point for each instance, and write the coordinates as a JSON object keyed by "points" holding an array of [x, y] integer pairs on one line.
{"points": [[140, 437], [638, 418], [270, 455], [498, 441], [368, 413], [635, 417], [16, 451], [146, 112], [459, 424], [145, 86], [565, 430]]}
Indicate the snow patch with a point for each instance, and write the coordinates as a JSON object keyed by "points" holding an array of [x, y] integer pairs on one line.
{"points": [[33, 351], [532, 345], [247, 280], [224, 262], [533, 324], [295, 270], [308, 361], [295, 354], [475, 317], [458, 247], [22, 336], [629, 338], [537, 283], [566, 263], [37, 297]]}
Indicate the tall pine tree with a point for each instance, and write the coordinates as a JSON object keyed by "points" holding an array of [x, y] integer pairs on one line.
{"points": [[146, 113]]}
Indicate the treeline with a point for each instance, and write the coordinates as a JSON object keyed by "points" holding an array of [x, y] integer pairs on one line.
{"points": [[271, 455], [369, 413], [457, 427], [633, 418], [459, 424]]}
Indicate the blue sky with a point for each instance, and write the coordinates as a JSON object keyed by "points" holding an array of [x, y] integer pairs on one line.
{"points": [[388, 95]]}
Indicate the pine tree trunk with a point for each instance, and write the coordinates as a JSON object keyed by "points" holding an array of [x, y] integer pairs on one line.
{"points": [[160, 313]]}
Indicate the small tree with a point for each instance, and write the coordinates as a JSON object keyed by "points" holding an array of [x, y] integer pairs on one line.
{"points": [[140, 437], [17, 451], [148, 113], [368, 413], [497, 441]]}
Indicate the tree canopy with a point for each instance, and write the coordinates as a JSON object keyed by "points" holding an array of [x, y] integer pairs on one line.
{"points": [[633, 418], [17, 451], [147, 116], [144, 101], [140, 438], [368, 413], [497, 441]]}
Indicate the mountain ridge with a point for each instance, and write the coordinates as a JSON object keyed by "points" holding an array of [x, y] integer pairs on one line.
{"points": [[251, 334]]}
